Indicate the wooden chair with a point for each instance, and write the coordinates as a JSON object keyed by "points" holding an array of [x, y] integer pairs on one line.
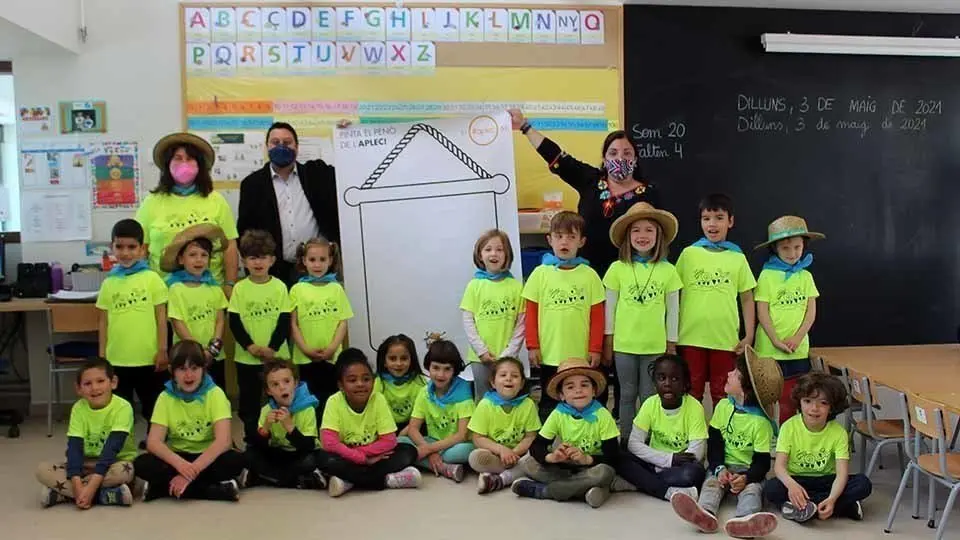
{"points": [[817, 364], [881, 432], [940, 466], [66, 357]]}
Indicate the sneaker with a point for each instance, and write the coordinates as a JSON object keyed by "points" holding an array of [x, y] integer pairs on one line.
{"points": [[800, 516], [691, 491], [689, 510], [228, 490], [115, 496], [243, 479], [489, 482], [855, 512], [620, 485], [315, 480], [752, 526], [524, 487], [338, 486], [485, 461], [408, 478], [50, 497], [453, 472], [596, 496]]}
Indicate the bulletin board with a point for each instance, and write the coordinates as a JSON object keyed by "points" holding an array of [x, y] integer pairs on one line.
{"points": [[248, 65]]}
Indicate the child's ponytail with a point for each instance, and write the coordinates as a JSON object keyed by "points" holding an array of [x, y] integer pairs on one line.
{"points": [[332, 247]]}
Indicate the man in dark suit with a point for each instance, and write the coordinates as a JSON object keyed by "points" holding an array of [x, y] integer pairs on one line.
{"points": [[292, 201]]}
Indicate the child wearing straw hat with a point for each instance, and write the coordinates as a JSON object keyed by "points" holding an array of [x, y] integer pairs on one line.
{"points": [[583, 436], [197, 304], [787, 302], [642, 303], [738, 451]]}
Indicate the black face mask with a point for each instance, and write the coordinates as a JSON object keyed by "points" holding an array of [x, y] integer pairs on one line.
{"points": [[281, 155]]}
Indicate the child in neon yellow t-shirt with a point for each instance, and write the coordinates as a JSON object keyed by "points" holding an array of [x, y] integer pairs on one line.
{"points": [[643, 303], [574, 454], [444, 406], [259, 313], [787, 303], [492, 308], [714, 273], [564, 305], [189, 447], [100, 445], [320, 313], [196, 305], [504, 426], [813, 457], [399, 378], [133, 319]]}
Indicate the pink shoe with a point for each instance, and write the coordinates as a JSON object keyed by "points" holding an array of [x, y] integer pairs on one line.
{"points": [[690, 511], [752, 526]]}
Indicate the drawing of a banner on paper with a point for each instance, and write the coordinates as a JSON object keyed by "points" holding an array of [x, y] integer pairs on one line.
{"points": [[415, 197]]}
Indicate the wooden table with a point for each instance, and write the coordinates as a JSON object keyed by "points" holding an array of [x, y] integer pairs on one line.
{"points": [[24, 305]]}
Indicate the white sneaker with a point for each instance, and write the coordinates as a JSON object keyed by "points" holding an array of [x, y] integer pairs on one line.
{"points": [[408, 478], [50, 497], [338, 486]]}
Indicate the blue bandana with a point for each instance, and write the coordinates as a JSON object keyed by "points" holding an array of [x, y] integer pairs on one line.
{"points": [[123, 271], [550, 259], [493, 397], [184, 191], [776, 263], [182, 276], [206, 385], [721, 245], [398, 381], [302, 399], [326, 278], [483, 274], [754, 410], [589, 413], [641, 259], [459, 391]]}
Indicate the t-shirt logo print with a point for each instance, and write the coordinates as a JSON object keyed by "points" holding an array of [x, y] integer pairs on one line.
{"points": [[736, 439], [791, 299], [589, 445], [675, 441], [645, 295], [812, 461], [445, 420], [267, 309], [501, 308], [354, 439], [200, 312], [321, 310], [191, 429], [179, 222], [133, 300], [710, 278], [93, 443], [560, 298], [508, 435], [403, 407]]}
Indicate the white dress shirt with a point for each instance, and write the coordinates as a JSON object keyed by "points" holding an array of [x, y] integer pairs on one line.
{"points": [[297, 222]]}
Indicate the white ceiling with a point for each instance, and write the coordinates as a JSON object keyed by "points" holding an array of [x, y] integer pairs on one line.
{"points": [[914, 6], [16, 41]]}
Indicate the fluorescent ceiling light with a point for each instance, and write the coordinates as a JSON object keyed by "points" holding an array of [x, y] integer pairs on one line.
{"points": [[876, 45]]}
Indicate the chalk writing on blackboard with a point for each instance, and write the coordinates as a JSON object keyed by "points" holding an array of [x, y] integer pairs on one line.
{"points": [[662, 142]]}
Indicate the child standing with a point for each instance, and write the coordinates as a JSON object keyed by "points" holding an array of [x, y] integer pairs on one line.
{"points": [[738, 451], [189, 445], [100, 445], [669, 435], [714, 272], [503, 426], [197, 303], [319, 318], [359, 437], [564, 305], [787, 303], [643, 303], [445, 406], [492, 308], [583, 435], [260, 322], [813, 456], [399, 378], [133, 320], [284, 454]]}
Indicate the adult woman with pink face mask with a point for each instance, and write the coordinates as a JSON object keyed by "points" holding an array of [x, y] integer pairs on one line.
{"points": [[185, 197]]}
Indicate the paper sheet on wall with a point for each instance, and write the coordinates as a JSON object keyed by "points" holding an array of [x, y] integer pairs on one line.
{"points": [[115, 167], [55, 216], [238, 153], [311, 148], [53, 165]]}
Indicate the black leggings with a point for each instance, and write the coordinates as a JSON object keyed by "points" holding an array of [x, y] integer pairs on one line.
{"points": [[250, 386], [145, 381], [321, 379], [278, 467], [159, 473], [644, 476], [371, 477]]}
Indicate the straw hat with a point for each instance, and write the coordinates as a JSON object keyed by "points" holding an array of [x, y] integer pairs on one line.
{"points": [[766, 380], [174, 140], [168, 262], [575, 366], [788, 227], [643, 210]]}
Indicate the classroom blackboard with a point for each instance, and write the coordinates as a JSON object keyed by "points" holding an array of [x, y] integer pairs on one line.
{"points": [[866, 148]]}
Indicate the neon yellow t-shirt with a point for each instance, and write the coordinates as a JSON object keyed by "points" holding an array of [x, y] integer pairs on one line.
{"points": [[441, 423], [495, 306], [564, 299], [358, 429], [304, 420], [259, 306], [672, 432], [812, 453], [131, 303], [743, 434], [502, 427], [400, 398], [787, 300], [640, 326], [190, 424], [586, 436], [197, 307], [163, 216], [320, 309], [712, 282], [94, 426]]}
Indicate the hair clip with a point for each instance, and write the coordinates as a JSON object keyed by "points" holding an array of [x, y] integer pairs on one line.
{"points": [[432, 337]]}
